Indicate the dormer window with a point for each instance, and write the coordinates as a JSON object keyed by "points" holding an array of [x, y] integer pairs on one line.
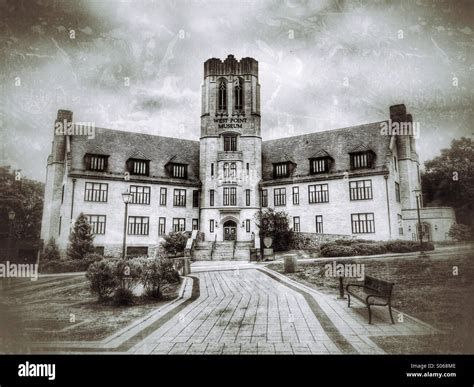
{"points": [[282, 169], [320, 165], [230, 143], [138, 167], [179, 170], [361, 160], [96, 162]]}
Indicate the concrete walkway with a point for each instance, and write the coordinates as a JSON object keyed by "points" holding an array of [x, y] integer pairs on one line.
{"points": [[252, 310]]}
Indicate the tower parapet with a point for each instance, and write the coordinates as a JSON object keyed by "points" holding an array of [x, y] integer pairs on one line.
{"points": [[230, 66]]}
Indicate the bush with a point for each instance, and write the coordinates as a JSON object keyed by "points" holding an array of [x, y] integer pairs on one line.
{"points": [[51, 252], [129, 272], [103, 278], [174, 243], [123, 296], [69, 265], [333, 249], [460, 232], [156, 273]]}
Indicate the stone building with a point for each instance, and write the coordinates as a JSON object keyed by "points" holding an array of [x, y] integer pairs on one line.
{"points": [[359, 181]]}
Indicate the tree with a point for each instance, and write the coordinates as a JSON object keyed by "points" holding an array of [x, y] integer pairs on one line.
{"points": [[275, 224], [25, 198], [51, 251], [80, 239], [460, 232], [174, 243], [449, 180]]}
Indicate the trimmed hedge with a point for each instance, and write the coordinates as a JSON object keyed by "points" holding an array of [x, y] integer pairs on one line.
{"points": [[345, 248], [69, 265]]}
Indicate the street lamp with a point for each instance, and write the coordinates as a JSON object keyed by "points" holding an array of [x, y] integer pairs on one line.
{"points": [[127, 197], [11, 217], [420, 228]]}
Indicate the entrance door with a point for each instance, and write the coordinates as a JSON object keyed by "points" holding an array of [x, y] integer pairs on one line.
{"points": [[230, 231]]}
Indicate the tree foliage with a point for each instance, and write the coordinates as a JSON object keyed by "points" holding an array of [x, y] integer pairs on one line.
{"points": [[174, 243], [81, 239], [51, 251], [275, 224], [449, 180], [25, 198]]}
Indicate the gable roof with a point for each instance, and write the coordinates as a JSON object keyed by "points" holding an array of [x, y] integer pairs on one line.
{"points": [[338, 143], [121, 146]]}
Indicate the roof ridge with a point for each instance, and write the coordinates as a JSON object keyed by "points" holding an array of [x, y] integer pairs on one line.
{"points": [[146, 134]]}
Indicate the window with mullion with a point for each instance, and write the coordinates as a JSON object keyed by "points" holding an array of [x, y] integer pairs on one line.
{"points": [[96, 192], [319, 224], [97, 223], [296, 224], [163, 194], [264, 198], [230, 143], [318, 193], [162, 226], [179, 224], [360, 190], [363, 223], [279, 197], [179, 197], [296, 195], [319, 165], [140, 194], [138, 225]]}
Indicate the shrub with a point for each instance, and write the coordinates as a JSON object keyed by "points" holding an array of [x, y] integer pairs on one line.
{"points": [[460, 232], [69, 265], [129, 272], [369, 248], [174, 243], [51, 251], [103, 278], [334, 249], [275, 224], [123, 296], [156, 273]]}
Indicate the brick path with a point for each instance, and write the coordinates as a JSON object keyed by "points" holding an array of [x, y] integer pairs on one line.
{"points": [[248, 311]]}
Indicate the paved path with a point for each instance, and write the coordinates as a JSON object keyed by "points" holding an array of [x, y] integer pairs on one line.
{"points": [[255, 311]]}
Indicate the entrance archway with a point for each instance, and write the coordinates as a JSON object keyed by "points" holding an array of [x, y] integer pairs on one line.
{"points": [[230, 230]]}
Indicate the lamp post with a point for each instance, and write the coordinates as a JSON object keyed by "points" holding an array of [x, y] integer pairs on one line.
{"points": [[11, 218], [420, 228], [126, 196]]}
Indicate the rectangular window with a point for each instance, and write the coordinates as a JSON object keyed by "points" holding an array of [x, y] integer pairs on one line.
{"points": [[400, 224], [99, 250], [319, 224], [230, 196], [397, 192], [96, 162], [137, 251], [361, 160], [162, 226], [319, 165], [296, 224], [179, 224], [140, 194], [279, 196], [211, 198], [138, 225], [179, 198], [360, 190], [211, 225], [62, 195], [195, 198], [195, 224], [230, 143], [318, 193], [179, 170], [363, 223], [395, 163], [96, 192], [281, 170], [248, 169], [60, 223], [264, 198], [139, 167], [247, 197], [97, 223], [212, 169], [163, 193], [296, 195], [247, 225]]}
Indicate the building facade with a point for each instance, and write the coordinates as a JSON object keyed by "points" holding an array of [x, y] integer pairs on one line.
{"points": [[360, 181]]}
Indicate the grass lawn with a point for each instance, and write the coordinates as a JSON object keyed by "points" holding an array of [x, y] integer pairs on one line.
{"points": [[424, 288], [63, 309]]}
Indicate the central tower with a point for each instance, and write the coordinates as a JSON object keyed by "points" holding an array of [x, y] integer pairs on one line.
{"points": [[230, 149]]}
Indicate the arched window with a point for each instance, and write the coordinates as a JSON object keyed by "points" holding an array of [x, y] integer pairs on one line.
{"points": [[222, 95], [233, 171], [238, 94], [226, 170]]}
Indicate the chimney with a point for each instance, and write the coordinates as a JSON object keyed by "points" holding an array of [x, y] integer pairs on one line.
{"points": [[59, 142]]}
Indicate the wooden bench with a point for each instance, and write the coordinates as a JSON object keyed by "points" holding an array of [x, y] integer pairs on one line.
{"points": [[374, 292]]}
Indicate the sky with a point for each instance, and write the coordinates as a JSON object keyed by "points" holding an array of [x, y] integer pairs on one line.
{"points": [[138, 66]]}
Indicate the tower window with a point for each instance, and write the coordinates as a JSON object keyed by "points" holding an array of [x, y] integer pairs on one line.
{"points": [[230, 196], [230, 143], [238, 94], [222, 95], [211, 198]]}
